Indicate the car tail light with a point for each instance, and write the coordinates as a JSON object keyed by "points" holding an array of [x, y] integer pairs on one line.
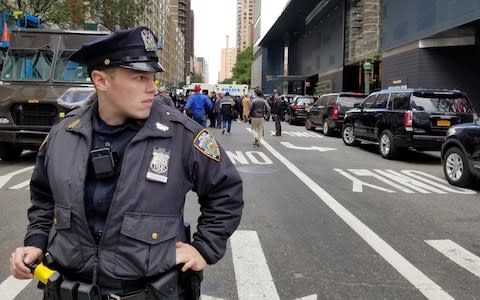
{"points": [[335, 111], [408, 120]]}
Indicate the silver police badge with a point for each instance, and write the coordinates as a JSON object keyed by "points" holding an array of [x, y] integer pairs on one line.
{"points": [[149, 40], [158, 167]]}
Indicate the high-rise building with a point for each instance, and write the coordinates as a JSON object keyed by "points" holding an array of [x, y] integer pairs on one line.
{"points": [[244, 24], [200, 68], [227, 62], [181, 10]]}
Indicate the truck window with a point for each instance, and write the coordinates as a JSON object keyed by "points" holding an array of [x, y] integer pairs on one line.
{"points": [[69, 71], [27, 65]]}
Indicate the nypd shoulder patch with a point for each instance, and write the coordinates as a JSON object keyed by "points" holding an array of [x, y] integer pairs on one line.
{"points": [[207, 145]]}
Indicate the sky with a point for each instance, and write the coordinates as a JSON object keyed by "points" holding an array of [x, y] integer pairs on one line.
{"points": [[214, 19]]}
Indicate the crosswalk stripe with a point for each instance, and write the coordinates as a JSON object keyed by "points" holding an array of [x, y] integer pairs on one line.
{"points": [[11, 287], [21, 185], [253, 277], [5, 178], [458, 254]]}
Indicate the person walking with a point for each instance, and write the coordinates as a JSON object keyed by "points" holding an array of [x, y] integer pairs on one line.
{"points": [[200, 105], [246, 107], [212, 115], [227, 105], [112, 221], [259, 112], [163, 97], [218, 109]]}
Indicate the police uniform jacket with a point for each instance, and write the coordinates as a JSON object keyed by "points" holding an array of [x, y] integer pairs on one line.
{"points": [[146, 215]]}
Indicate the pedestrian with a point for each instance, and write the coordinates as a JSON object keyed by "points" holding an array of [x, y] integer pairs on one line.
{"points": [[200, 105], [227, 106], [218, 109], [163, 97], [277, 109], [259, 112], [246, 107], [212, 116], [112, 221]]}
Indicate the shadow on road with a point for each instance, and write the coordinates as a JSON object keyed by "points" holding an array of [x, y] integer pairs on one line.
{"points": [[409, 156], [28, 157]]}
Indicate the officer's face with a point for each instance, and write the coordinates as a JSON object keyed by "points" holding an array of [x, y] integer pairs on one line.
{"points": [[127, 94]]}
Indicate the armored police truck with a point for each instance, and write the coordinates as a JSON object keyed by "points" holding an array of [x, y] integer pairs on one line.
{"points": [[39, 85]]}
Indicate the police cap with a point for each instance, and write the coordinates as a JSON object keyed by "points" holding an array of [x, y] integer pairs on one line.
{"points": [[133, 49]]}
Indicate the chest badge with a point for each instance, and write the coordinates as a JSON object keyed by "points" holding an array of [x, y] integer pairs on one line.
{"points": [[158, 167]]}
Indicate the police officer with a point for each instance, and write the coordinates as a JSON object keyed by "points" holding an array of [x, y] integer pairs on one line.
{"points": [[109, 184]]}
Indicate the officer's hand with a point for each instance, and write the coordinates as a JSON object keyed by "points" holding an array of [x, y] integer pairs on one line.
{"points": [[22, 257], [190, 257]]}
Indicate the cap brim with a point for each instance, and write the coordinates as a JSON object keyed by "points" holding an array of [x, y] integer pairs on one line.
{"points": [[145, 66]]}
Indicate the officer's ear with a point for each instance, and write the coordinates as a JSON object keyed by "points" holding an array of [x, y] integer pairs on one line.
{"points": [[101, 79]]}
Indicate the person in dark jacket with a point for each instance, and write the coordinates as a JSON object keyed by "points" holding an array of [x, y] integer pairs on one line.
{"points": [[259, 112], [109, 184], [163, 97], [277, 110], [227, 107]]}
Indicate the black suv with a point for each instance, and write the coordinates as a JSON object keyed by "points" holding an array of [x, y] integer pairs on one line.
{"points": [[329, 110], [398, 119], [461, 154]]}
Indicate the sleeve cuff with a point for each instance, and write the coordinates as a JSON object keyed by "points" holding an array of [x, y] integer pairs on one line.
{"points": [[203, 252], [38, 240]]}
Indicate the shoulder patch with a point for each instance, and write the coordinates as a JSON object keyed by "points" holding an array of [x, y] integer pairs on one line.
{"points": [[207, 145]]}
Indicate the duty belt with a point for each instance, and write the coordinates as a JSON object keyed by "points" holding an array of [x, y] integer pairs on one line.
{"points": [[135, 295]]}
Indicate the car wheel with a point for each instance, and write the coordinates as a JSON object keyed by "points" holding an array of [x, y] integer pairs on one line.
{"points": [[455, 168], [10, 152], [326, 129], [386, 145], [348, 136], [309, 125]]}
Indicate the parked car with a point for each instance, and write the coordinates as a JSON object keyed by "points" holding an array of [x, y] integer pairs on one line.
{"points": [[461, 154], [404, 118], [296, 112], [329, 110]]}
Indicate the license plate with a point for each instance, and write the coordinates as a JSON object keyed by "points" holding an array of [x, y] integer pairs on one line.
{"points": [[443, 123]]}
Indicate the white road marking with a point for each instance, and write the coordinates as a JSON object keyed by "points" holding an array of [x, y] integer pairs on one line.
{"points": [[315, 148], [253, 277], [254, 280], [11, 287], [21, 185], [424, 284], [357, 184], [5, 178], [205, 297], [458, 254]]}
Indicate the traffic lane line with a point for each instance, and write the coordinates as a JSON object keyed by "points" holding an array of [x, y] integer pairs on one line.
{"points": [[458, 254], [11, 287], [424, 284]]}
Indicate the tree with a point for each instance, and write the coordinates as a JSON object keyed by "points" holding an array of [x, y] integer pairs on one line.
{"points": [[243, 67], [73, 14]]}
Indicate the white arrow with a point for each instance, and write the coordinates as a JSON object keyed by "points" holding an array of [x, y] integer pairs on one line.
{"points": [[253, 277], [5, 178], [315, 148]]}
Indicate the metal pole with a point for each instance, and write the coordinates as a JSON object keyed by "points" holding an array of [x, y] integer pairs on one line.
{"points": [[367, 82]]}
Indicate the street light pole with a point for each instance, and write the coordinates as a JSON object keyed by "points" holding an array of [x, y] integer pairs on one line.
{"points": [[367, 66]]}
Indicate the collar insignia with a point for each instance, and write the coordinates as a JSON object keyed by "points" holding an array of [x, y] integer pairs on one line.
{"points": [[161, 127]]}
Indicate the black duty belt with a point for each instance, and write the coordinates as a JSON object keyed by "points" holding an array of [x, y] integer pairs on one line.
{"points": [[135, 295]]}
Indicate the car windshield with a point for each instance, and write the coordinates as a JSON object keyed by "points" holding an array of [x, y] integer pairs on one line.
{"points": [[305, 101], [69, 71], [349, 101], [27, 65], [455, 103]]}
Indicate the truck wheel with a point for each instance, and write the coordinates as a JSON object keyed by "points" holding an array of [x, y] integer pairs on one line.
{"points": [[348, 136], [455, 168], [10, 152], [386, 145]]}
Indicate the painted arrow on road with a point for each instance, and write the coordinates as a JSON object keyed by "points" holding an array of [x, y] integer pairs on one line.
{"points": [[314, 148], [252, 274]]}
